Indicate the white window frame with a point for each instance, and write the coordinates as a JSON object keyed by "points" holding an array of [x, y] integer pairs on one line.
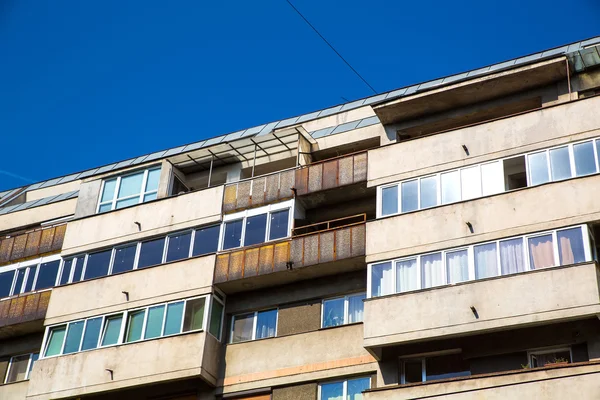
{"points": [[346, 308], [403, 362], [27, 373], [344, 386], [254, 321], [37, 262], [140, 195], [547, 350]]}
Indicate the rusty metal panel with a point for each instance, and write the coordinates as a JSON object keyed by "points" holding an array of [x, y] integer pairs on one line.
{"points": [[243, 195], [272, 188], [229, 198], [18, 249], [251, 262], [59, 236], [6, 249], [236, 265], [265, 262], [286, 183], [326, 247], [44, 300], [258, 191], [221, 268], [358, 240], [15, 313], [33, 243], [315, 178], [311, 250], [297, 252], [31, 304], [343, 247], [301, 181], [330, 174], [46, 241], [360, 167], [4, 307], [281, 256], [346, 175]]}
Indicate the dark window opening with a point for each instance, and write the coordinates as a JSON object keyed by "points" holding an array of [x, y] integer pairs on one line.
{"points": [[515, 176]]}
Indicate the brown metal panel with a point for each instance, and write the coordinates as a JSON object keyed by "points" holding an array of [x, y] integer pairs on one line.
{"points": [[258, 191], [326, 247], [4, 307], [346, 175], [243, 195], [44, 300], [265, 261], [311, 250], [236, 265], [360, 167], [251, 262], [315, 178], [15, 313], [343, 248], [301, 183], [33, 243], [31, 305], [18, 250], [5, 249], [272, 189], [297, 252], [221, 268], [286, 183], [330, 174], [59, 236], [281, 256], [358, 240], [229, 198], [46, 241]]}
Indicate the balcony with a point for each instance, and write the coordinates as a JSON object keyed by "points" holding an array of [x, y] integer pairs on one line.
{"points": [[259, 191], [16, 390], [126, 366], [32, 244], [23, 314], [557, 383], [338, 243], [514, 301]]}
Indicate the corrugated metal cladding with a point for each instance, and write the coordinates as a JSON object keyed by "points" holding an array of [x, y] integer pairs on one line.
{"points": [[331, 174], [251, 262], [31, 244], [24, 308], [259, 192]]}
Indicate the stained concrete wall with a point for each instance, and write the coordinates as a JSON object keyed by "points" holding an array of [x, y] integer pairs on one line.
{"points": [[147, 286], [542, 296], [156, 217], [14, 391], [36, 215]]}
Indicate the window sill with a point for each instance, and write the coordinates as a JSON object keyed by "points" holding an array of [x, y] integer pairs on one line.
{"points": [[339, 326]]}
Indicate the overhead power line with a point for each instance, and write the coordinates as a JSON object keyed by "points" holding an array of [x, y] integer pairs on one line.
{"points": [[331, 46]]}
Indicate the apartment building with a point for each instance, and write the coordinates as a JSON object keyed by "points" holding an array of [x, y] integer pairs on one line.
{"points": [[435, 241]]}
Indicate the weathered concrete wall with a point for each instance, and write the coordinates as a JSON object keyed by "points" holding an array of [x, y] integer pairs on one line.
{"points": [[519, 300], [147, 286], [14, 391], [157, 217], [35, 215]]}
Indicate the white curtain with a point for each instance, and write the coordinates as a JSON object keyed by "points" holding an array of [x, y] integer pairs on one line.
{"points": [[381, 279], [511, 256], [485, 261], [406, 276], [570, 246], [355, 308], [457, 264], [432, 270]]}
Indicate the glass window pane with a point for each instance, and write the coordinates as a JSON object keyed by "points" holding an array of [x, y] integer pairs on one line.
{"points": [[356, 308], [215, 319], [356, 387], [6, 281], [55, 340], [389, 200], [570, 246], [432, 272], [92, 333], [66, 272], [444, 367], [73, 337], [97, 264], [266, 324], [206, 240], [134, 326], [486, 264], [470, 180], [127, 202], [332, 391], [105, 207], [585, 163], [541, 251], [47, 275], [179, 246], [34, 358], [429, 192], [78, 268], [450, 187], [155, 322], [256, 228], [153, 178], [413, 371], [381, 279], [333, 312], [109, 190], [492, 178], [457, 264], [407, 275], [30, 279], [130, 185], [124, 259], [242, 327], [279, 224], [173, 319], [112, 329], [511, 256], [233, 234], [19, 281], [194, 314], [560, 164], [538, 168], [151, 253], [17, 370], [409, 196], [150, 196], [598, 149]]}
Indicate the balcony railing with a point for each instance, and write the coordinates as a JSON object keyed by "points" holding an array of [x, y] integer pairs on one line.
{"points": [[24, 308], [259, 191], [31, 244]]}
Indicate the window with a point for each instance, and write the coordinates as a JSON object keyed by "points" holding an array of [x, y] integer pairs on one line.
{"points": [[546, 357], [538, 168], [483, 260], [429, 192], [409, 196], [216, 317], [342, 310], [434, 368], [128, 190], [55, 341], [111, 330], [124, 259], [585, 161], [74, 333], [151, 253], [47, 275], [206, 240], [178, 246], [194, 314], [349, 389], [26, 276], [389, 200], [97, 264], [255, 325], [19, 367]]}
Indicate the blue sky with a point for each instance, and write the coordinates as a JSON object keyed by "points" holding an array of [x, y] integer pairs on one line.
{"points": [[86, 83]]}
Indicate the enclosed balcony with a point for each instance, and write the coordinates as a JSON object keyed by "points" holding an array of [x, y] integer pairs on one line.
{"points": [[23, 314], [35, 243]]}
